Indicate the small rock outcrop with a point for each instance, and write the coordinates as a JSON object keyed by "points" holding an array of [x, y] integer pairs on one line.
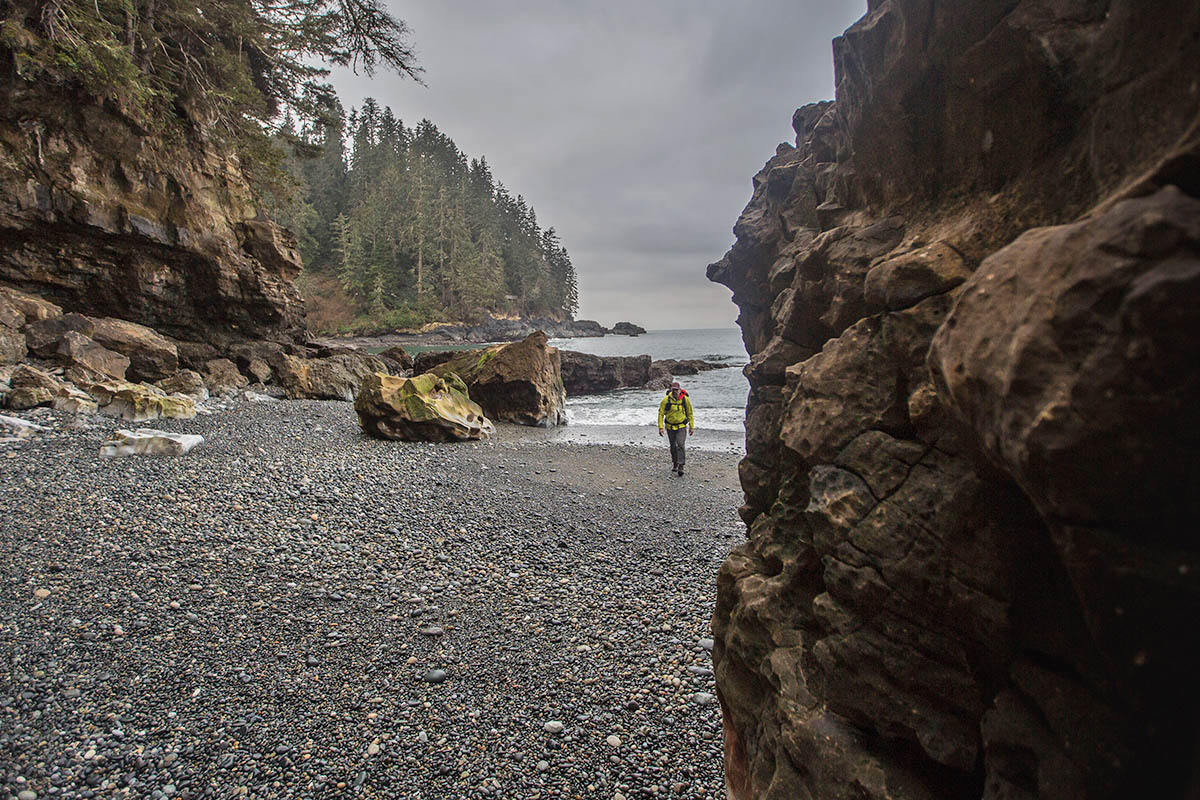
{"points": [[627, 329], [971, 568], [425, 408], [519, 382]]}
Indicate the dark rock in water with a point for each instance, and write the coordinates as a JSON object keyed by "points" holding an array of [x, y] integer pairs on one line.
{"points": [[659, 377], [584, 373], [969, 478], [112, 222], [627, 329], [511, 330], [427, 360], [580, 328], [397, 354], [687, 366], [518, 382]]}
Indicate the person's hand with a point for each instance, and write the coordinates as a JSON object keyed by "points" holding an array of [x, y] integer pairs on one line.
{"points": [[691, 431], [660, 432]]}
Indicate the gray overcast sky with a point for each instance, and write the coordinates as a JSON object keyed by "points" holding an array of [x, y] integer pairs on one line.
{"points": [[633, 128]]}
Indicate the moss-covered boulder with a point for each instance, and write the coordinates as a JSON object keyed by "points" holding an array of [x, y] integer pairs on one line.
{"points": [[139, 402], [518, 382], [427, 408]]}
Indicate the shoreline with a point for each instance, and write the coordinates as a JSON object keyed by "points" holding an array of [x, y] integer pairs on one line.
{"points": [[269, 609]]}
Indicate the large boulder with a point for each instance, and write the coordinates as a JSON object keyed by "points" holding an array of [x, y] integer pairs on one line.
{"points": [[27, 307], [222, 376], [519, 382], [334, 377], [186, 382], [425, 408], [75, 349], [31, 387], [12, 345], [42, 336], [152, 357], [584, 373]]}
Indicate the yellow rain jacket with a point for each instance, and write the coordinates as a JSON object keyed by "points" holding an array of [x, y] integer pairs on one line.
{"points": [[676, 413]]}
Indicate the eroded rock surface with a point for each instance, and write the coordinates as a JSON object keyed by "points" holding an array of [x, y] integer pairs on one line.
{"points": [[102, 219], [972, 319], [426, 408]]}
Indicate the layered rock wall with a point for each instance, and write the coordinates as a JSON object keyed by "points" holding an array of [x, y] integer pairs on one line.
{"points": [[970, 295], [106, 219]]}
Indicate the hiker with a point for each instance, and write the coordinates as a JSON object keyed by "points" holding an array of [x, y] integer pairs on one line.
{"points": [[675, 411]]}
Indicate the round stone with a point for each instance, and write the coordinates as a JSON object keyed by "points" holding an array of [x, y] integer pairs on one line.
{"points": [[435, 676], [553, 727], [613, 740]]}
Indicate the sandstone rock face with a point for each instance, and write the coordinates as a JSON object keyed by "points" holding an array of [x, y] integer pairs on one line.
{"points": [[519, 382], [425, 408], [972, 319], [152, 357], [104, 220]]}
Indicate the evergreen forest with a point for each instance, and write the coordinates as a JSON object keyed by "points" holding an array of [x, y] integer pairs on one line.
{"points": [[397, 227]]}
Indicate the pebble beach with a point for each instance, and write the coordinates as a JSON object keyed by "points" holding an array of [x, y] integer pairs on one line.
{"points": [[294, 609]]}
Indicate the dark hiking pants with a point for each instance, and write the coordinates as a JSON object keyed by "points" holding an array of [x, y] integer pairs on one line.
{"points": [[677, 437]]}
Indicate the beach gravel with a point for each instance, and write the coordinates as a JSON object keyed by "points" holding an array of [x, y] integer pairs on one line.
{"points": [[294, 609]]}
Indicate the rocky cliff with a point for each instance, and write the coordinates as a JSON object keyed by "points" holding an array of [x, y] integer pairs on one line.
{"points": [[105, 219], [970, 295]]}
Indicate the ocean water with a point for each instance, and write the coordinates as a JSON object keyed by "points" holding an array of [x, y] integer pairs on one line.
{"points": [[630, 416]]}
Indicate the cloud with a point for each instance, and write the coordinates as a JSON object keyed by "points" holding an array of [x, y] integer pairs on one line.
{"points": [[632, 128]]}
